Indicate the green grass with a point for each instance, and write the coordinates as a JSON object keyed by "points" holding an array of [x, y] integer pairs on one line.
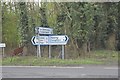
{"points": [[34, 61], [96, 57], [106, 54]]}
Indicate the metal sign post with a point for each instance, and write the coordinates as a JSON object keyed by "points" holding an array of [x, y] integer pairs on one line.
{"points": [[3, 51], [49, 51], [39, 50], [63, 52], [47, 38], [2, 45]]}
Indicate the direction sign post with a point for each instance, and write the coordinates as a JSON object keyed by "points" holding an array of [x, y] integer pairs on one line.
{"points": [[39, 50], [63, 56], [3, 52], [49, 40], [2, 45], [49, 51]]}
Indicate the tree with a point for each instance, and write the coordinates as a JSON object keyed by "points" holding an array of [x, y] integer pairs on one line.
{"points": [[24, 26], [118, 29]]}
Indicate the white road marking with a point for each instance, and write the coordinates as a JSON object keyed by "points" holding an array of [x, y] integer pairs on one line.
{"points": [[67, 67], [83, 74], [53, 67], [42, 66], [111, 68]]}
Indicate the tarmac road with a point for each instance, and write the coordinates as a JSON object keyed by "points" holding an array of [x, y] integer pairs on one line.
{"points": [[60, 72]]}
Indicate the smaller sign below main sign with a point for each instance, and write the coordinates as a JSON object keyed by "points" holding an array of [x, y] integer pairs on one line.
{"points": [[2, 45], [43, 30]]}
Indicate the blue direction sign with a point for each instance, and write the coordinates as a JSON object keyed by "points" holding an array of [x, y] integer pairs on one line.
{"points": [[50, 40], [43, 30], [58, 40], [39, 40]]}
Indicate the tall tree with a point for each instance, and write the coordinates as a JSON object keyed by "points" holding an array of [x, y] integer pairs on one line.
{"points": [[24, 26], [118, 28], [43, 17], [0, 21]]}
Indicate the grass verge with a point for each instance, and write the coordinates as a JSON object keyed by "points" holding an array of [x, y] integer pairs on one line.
{"points": [[97, 57], [35, 61]]}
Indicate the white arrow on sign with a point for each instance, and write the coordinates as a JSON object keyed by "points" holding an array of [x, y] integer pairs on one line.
{"points": [[50, 40], [41, 40], [58, 40]]}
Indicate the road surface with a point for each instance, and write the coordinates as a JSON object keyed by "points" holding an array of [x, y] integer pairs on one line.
{"points": [[60, 72]]}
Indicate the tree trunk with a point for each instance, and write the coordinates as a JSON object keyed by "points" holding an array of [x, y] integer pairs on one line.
{"points": [[118, 28]]}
